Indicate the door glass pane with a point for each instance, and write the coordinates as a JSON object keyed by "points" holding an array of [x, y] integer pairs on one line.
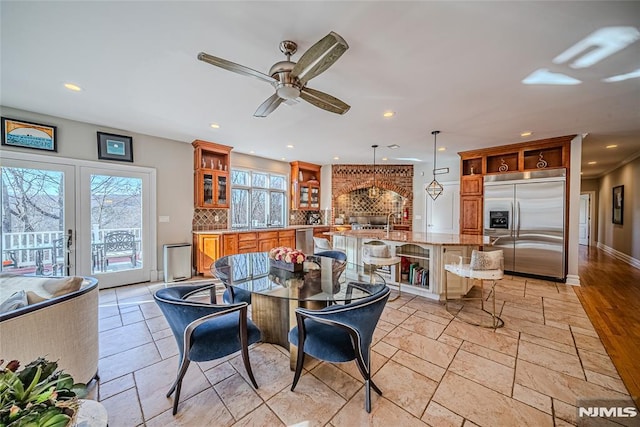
{"points": [[116, 223], [239, 208], [259, 208], [33, 221], [222, 190]]}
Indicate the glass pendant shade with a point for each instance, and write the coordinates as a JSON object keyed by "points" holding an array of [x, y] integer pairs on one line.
{"points": [[434, 189], [374, 191]]}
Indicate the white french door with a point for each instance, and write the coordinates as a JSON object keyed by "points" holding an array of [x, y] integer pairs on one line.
{"points": [[63, 216], [114, 225], [37, 202]]}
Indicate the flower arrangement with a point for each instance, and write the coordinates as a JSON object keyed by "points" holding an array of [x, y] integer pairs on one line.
{"points": [[289, 255], [286, 258], [38, 395]]}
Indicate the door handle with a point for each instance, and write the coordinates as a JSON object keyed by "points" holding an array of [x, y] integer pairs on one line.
{"points": [[518, 229], [513, 219]]}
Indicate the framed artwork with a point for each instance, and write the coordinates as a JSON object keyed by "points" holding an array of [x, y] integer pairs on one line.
{"points": [[19, 133], [618, 204], [115, 147]]}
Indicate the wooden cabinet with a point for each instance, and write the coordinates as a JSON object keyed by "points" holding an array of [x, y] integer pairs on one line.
{"points": [[247, 242], [474, 165], [267, 240], [305, 186], [229, 244], [470, 214], [211, 163], [287, 238], [207, 251], [471, 185]]}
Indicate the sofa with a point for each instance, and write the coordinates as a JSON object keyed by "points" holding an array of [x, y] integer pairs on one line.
{"points": [[51, 317]]}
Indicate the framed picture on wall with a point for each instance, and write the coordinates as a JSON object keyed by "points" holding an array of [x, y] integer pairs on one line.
{"points": [[19, 133], [115, 147], [618, 204]]}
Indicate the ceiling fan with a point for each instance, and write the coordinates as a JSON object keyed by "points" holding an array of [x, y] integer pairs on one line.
{"points": [[290, 78]]}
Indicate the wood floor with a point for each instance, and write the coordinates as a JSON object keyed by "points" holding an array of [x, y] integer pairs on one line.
{"points": [[610, 294]]}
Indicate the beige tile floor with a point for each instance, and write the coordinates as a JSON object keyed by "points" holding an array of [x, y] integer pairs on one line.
{"points": [[434, 370]]}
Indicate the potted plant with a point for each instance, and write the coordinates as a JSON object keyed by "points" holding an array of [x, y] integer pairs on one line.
{"points": [[38, 395]]}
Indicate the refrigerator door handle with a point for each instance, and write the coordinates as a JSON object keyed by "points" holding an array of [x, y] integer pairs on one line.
{"points": [[518, 219], [512, 225]]}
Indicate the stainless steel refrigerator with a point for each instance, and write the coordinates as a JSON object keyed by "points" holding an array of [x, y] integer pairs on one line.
{"points": [[524, 215]]}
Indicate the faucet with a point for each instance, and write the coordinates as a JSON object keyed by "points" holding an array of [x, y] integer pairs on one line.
{"points": [[390, 222]]}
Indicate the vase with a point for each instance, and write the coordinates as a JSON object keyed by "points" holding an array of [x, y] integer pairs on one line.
{"points": [[288, 266]]}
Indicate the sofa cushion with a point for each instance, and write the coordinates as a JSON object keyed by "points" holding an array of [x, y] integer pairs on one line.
{"points": [[44, 287], [14, 302]]}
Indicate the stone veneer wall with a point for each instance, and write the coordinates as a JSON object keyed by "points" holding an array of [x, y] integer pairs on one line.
{"points": [[349, 185]]}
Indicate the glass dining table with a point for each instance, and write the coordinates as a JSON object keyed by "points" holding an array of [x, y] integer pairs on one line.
{"points": [[276, 293]]}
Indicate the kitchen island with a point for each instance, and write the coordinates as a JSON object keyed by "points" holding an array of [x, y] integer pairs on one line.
{"points": [[424, 255]]}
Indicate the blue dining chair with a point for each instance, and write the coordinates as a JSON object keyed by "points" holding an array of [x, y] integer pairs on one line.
{"points": [[340, 333], [205, 331]]}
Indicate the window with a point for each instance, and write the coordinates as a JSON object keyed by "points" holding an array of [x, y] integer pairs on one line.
{"points": [[258, 199]]}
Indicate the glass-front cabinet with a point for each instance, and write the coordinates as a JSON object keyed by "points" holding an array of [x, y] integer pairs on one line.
{"points": [[211, 171], [305, 186]]}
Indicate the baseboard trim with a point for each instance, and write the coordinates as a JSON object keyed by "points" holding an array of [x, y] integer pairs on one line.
{"points": [[573, 280], [619, 255]]}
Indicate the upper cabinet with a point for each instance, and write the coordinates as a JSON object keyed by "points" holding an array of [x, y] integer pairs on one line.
{"points": [[211, 164], [305, 186], [474, 165]]}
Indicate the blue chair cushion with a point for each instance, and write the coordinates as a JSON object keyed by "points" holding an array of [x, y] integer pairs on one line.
{"points": [[325, 342], [240, 295], [219, 337]]}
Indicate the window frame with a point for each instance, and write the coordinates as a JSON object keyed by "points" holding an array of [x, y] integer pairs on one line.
{"points": [[250, 188]]}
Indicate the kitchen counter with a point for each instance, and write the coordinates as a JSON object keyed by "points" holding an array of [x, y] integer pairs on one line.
{"points": [[257, 230], [415, 237], [424, 257]]}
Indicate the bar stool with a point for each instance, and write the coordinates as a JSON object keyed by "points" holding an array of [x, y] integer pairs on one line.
{"points": [[378, 254], [482, 266]]}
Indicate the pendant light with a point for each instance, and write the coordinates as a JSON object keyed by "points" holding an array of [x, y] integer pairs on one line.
{"points": [[434, 189], [374, 191]]}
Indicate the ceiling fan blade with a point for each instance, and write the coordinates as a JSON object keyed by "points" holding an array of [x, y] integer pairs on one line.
{"points": [[236, 68], [324, 101], [268, 106], [319, 57]]}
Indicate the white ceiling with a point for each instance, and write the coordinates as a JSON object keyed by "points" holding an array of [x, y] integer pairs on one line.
{"points": [[452, 66]]}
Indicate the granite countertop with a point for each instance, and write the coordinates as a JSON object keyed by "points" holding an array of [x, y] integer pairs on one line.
{"points": [[257, 230], [415, 237]]}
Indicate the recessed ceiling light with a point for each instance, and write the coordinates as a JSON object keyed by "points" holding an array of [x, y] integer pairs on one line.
{"points": [[251, 152], [384, 159], [215, 125], [388, 114], [592, 163], [442, 149], [526, 133], [612, 146], [284, 158], [289, 146], [393, 146], [73, 87], [336, 158]]}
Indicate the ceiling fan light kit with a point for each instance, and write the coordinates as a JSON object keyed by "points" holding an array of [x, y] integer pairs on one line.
{"points": [[290, 78]]}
